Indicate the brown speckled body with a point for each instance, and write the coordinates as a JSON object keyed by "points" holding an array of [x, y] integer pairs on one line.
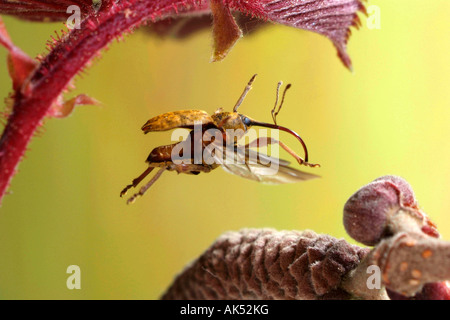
{"points": [[220, 120], [177, 119], [188, 118]]}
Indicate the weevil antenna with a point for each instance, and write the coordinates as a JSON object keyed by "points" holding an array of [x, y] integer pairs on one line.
{"points": [[246, 90], [274, 114]]}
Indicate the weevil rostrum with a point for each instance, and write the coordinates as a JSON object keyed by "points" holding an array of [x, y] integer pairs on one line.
{"points": [[213, 142]]}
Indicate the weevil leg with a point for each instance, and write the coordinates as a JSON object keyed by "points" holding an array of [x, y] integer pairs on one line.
{"points": [[274, 114], [192, 168], [136, 181], [264, 141], [147, 186], [246, 90], [246, 164]]}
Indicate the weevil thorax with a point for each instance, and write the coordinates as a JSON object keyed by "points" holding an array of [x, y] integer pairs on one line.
{"points": [[234, 124], [231, 120]]}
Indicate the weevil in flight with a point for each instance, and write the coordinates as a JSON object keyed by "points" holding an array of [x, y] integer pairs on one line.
{"points": [[182, 156]]}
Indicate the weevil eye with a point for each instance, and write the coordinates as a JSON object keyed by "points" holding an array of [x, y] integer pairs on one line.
{"points": [[246, 120]]}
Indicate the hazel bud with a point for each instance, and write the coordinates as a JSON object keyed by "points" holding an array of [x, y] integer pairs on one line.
{"points": [[408, 199], [367, 212]]}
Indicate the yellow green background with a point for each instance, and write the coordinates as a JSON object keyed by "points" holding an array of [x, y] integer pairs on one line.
{"points": [[391, 116]]}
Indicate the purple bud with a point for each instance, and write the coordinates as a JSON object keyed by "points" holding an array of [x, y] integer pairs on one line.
{"points": [[408, 198], [367, 212]]}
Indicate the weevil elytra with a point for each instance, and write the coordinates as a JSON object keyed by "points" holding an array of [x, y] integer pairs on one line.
{"points": [[212, 133]]}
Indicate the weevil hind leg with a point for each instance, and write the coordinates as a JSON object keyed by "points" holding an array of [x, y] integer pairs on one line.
{"points": [[136, 181], [147, 186], [264, 141]]}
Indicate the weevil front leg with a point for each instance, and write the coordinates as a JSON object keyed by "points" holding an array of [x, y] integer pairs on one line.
{"points": [[192, 168], [264, 141], [147, 186], [136, 181]]}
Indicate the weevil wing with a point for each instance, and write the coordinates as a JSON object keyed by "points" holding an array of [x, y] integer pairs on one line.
{"points": [[280, 175], [177, 119], [244, 163], [253, 154]]}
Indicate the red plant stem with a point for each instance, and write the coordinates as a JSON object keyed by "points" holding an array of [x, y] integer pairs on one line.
{"points": [[33, 102]]}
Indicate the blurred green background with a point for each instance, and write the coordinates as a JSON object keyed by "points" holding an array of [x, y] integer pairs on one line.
{"points": [[391, 116]]}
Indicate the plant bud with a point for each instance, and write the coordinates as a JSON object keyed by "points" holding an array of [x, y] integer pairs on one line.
{"points": [[408, 199], [367, 212]]}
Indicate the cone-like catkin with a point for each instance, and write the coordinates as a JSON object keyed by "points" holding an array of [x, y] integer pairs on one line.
{"points": [[269, 264]]}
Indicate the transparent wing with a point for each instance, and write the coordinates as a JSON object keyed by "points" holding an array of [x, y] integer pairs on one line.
{"points": [[250, 164], [264, 158]]}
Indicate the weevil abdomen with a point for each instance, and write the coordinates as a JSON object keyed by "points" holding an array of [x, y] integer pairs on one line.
{"points": [[177, 119], [161, 154], [162, 157]]}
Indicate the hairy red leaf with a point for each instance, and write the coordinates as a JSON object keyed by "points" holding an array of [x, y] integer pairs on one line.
{"points": [[226, 31], [61, 109], [20, 65], [331, 18], [182, 27]]}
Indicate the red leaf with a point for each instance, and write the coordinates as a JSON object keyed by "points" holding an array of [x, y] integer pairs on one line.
{"points": [[182, 27], [225, 30], [62, 109], [20, 65], [331, 18]]}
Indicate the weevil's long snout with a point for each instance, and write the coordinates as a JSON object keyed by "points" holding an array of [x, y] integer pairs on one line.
{"points": [[274, 126]]}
